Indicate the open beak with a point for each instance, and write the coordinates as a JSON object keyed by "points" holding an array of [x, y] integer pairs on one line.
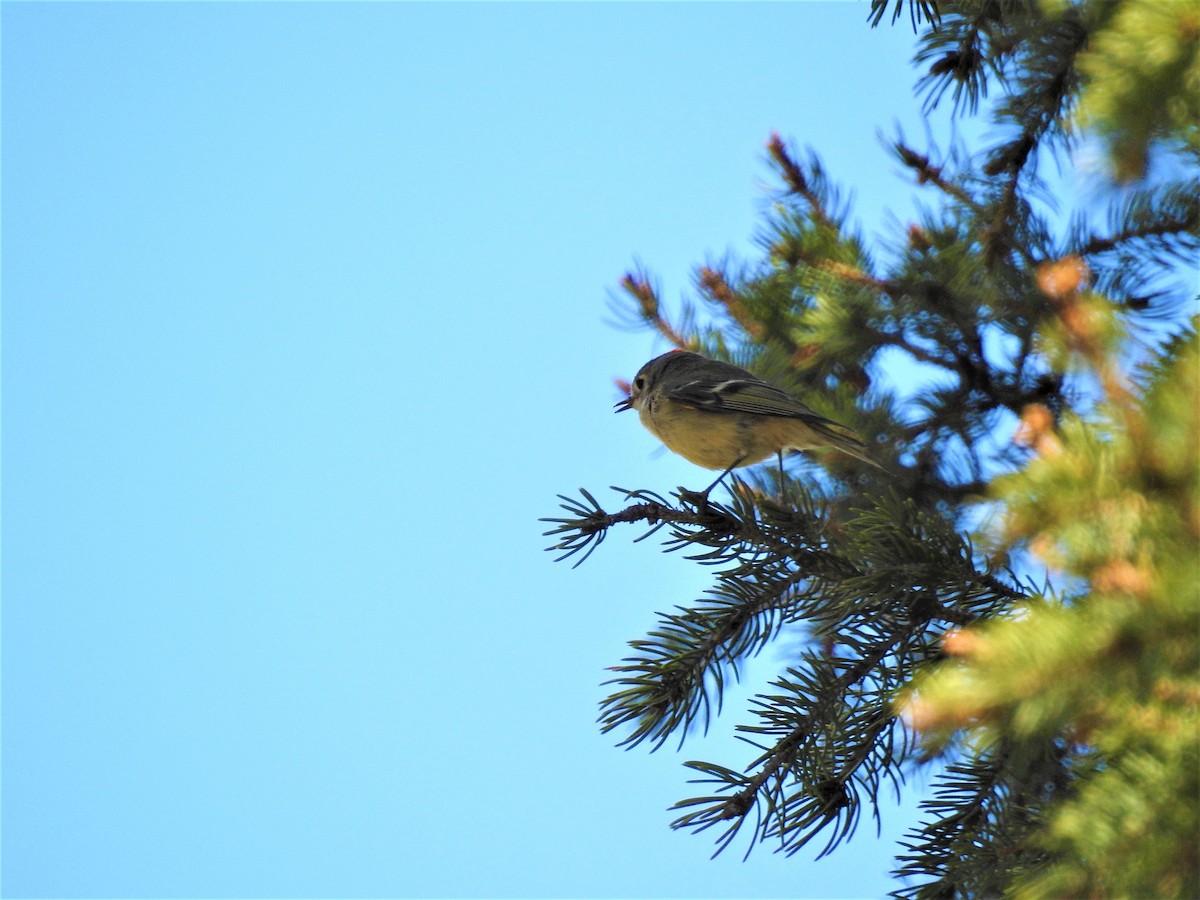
{"points": [[623, 405]]}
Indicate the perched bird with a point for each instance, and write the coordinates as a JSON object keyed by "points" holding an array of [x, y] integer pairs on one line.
{"points": [[720, 416]]}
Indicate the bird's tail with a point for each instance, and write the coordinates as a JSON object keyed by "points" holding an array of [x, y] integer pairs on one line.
{"points": [[841, 438]]}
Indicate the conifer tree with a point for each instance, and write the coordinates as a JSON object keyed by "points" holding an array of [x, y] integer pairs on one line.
{"points": [[1015, 602]]}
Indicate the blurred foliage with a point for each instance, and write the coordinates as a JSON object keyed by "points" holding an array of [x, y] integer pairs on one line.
{"points": [[1142, 73], [1015, 604]]}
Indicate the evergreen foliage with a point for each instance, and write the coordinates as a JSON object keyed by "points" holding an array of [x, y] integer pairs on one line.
{"points": [[1018, 596]]}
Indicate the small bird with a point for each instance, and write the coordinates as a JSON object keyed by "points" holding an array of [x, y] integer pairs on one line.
{"points": [[719, 416]]}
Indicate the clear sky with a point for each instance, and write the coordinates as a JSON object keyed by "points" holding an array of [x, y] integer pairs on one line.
{"points": [[304, 326]]}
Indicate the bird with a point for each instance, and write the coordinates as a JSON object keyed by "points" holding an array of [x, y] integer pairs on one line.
{"points": [[720, 416]]}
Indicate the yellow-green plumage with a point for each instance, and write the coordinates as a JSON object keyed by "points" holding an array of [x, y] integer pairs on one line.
{"points": [[720, 416]]}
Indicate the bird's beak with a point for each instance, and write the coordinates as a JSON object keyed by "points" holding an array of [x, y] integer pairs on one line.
{"points": [[623, 405]]}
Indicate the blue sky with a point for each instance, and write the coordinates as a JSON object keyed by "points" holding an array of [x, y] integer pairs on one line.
{"points": [[304, 326]]}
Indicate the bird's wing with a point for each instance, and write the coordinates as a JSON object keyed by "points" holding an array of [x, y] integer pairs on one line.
{"points": [[743, 395], [758, 397]]}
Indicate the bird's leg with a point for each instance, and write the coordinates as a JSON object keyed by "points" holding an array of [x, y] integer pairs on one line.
{"points": [[783, 492], [700, 499]]}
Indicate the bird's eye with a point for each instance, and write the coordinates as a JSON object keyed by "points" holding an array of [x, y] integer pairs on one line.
{"points": [[639, 382]]}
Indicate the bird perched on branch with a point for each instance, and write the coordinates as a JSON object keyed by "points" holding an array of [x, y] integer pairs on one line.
{"points": [[720, 416]]}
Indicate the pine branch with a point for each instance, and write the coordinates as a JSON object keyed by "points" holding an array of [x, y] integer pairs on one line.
{"points": [[1043, 88], [881, 609], [983, 290], [974, 843], [814, 705], [1165, 217], [588, 524], [802, 184], [918, 11], [649, 309], [773, 576], [664, 688], [928, 173], [1159, 229]]}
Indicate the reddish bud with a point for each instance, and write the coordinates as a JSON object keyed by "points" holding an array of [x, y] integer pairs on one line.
{"points": [[961, 642], [918, 238], [1037, 430], [1121, 576], [1063, 278]]}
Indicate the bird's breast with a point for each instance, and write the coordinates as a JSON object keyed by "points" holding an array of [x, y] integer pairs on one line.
{"points": [[710, 439]]}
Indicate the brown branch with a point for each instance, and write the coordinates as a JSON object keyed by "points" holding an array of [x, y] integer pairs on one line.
{"points": [[796, 180], [927, 173], [782, 755], [714, 285], [643, 292], [1160, 229]]}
